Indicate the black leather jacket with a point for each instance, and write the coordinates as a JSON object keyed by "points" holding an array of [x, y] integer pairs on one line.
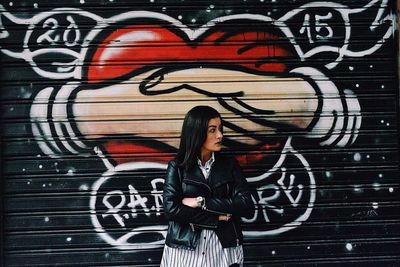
{"points": [[225, 192]]}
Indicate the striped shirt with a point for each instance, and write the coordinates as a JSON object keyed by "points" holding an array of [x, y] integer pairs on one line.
{"points": [[209, 252]]}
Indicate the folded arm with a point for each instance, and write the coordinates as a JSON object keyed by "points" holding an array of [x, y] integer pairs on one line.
{"points": [[175, 210], [240, 202]]}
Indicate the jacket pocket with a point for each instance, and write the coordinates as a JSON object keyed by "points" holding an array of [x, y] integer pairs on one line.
{"points": [[181, 236]]}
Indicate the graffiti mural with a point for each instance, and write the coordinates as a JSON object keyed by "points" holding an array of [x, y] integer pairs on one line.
{"points": [[95, 107]]}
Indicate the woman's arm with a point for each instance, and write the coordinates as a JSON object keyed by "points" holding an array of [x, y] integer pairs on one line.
{"points": [[240, 203], [175, 210]]}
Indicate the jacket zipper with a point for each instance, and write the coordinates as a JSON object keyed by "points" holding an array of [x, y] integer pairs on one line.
{"points": [[202, 225], [206, 185], [237, 237]]}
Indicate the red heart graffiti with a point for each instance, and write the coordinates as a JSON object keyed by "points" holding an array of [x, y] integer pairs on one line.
{"points": [[130, 49]]}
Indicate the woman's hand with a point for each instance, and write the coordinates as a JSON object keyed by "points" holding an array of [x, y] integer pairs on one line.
{"points": [[190, 201], [224, 217]]}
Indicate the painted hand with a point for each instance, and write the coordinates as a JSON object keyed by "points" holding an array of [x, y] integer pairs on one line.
{"points": [[338, 118]]}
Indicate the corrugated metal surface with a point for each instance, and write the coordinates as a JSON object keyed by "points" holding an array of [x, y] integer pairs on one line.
{"points": [[93, 94]]}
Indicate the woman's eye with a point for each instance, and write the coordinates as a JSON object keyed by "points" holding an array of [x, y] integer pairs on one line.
{"points": [[212, 130]]}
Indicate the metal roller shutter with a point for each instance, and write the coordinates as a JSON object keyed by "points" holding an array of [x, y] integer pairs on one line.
{"points": [[93, 94]]}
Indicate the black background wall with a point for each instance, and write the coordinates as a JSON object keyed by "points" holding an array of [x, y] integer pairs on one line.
{"points": [[93, 94]]}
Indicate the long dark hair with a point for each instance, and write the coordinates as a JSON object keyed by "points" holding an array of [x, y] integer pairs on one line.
{"points": [[194, 134]]}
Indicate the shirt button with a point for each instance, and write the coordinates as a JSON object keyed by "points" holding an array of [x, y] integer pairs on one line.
{"points": [[203, 253], [204, 237]]}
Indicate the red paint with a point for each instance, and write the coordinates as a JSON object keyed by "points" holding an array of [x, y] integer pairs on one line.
{"points": [[123, 151], [257, 155], [130, 49]]}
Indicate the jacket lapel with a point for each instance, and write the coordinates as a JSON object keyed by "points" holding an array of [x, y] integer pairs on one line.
{"points": [[218, 174], [194, 175]]}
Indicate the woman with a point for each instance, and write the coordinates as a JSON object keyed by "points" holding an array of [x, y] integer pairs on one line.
{"points": [[205, 194]]}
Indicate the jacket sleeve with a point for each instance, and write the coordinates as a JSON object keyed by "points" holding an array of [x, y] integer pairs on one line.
{"points": [[240, 203], [174, 210]]}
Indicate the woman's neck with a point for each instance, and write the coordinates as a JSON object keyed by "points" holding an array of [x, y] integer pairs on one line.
{"points": [[205, 156]]}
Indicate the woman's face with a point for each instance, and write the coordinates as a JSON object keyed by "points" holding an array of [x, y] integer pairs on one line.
{"points": [[213, 142]]}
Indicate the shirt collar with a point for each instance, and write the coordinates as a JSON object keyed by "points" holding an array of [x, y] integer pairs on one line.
{"points": [[208, 162]]}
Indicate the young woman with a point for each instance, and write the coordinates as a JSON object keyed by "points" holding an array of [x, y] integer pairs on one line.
{"points": [[205, 194]]}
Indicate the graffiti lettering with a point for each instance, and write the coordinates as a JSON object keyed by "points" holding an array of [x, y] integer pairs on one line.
{"points": [[157, 194], [114, 210], [264, 201], [49, 35], [288, 189], [317, 30], [68, 32], [137, 200], [72, 32]]}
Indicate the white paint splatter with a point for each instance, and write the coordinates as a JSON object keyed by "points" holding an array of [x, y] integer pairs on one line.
{"points": [[69, 239], [375, 205], [351, 68], [46, 219], [84, 187], [357, 156], [380, 175], [376, 186], [357, 188], [273, 252], [391, 189], [349, 247]]}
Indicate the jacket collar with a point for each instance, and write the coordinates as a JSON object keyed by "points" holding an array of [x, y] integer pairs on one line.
{"points": [[217, 174]]}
